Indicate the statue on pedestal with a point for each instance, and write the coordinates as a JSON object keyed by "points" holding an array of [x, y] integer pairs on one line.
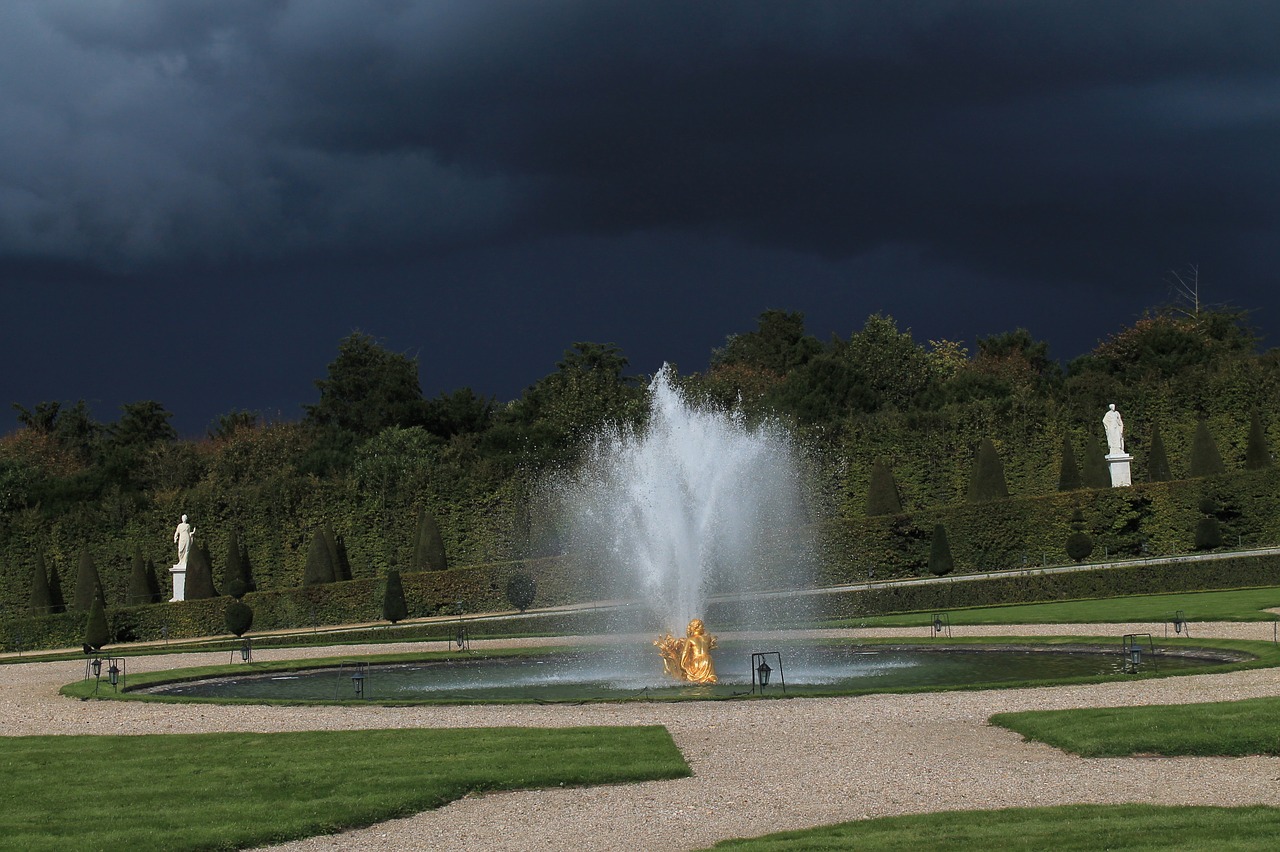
{"points": [[1114, 424], [182, 538]]}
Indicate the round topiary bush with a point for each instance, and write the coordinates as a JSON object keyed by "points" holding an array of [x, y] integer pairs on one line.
{"points": [[239, 617], [1208, 534], [521, 590]]}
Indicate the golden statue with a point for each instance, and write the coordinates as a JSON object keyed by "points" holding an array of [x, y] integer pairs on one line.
{"points": [[689, 658]]}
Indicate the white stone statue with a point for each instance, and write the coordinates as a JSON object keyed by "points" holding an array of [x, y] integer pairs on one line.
{"points": [[182, 538], [1114, 424]]}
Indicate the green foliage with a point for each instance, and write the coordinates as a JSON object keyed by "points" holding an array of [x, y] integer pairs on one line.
{"points": [[140, 581], [234, 577], [1097, 473], [1257, 455], [1079, 543], [199, 574], [319, 568], [1157, 459], [521, 591], [96, 633], [1069, 473], [987, 482], [1208, 534], [428, 545], [88, 584], [239, 617], [940, 561], [41, 601], [141, 425], [1205, 458], [368, 389], [394, 608], [882, 495], [778, 345]]}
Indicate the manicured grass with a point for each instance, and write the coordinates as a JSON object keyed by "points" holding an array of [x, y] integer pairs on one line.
{"points": [[1228, 728], [1233, 605], [229, 791], [1087, 828]]}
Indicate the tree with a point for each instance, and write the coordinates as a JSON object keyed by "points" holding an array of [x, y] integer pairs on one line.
{"points": [[393, 605], [521, 590], [1157, 459], [234, 578], [233, 423], [428, 545], [1205, 458], [140, 591], [319, 567], [238, 617], [882, 493], [1257, 455], [458, 413], [41, 601], [940, 561], [141, 425], [88, 584], [199, 574], [96, 632], [368, 389], [1069, 472], [779, 344], [1079, 543], [987, 481]]}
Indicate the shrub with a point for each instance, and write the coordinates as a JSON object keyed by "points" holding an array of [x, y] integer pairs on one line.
{"points": [[521, 590], [1157, 459], [882, 492], [139, 582], [1097, 473], [428, 546], [1257, 455], [940, 561], [88, 584], [234, 579], [1208, 535], [40, 602], [1079, 543], [95, 631], [393, 605], [987, 481], [239, 617], [319, 567], [199, 574], [1205, 458], [1069, 472]]}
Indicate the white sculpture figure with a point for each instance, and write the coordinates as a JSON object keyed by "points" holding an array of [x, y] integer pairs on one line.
{"points": [[1114, 424], [182, 538]]}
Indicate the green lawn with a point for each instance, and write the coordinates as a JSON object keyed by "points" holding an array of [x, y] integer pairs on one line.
{"points": [[1086, 828], [1233, 605], [229, 791], [1231, 728]]}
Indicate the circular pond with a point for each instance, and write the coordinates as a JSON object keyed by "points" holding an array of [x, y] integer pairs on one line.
{"points": [[603, 675]]}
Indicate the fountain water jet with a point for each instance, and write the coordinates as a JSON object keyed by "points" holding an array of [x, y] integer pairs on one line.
{"points": [[694, 503]]}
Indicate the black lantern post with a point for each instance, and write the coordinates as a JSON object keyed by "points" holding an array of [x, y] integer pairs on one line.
{"points": [[357, 680], [246, 650], [762, 672]]}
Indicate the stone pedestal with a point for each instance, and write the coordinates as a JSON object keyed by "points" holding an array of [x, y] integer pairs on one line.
{"points": [[1118, 463], [179, 573]]}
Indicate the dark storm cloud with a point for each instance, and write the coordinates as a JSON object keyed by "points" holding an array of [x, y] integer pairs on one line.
{"points": [[981, 133]]}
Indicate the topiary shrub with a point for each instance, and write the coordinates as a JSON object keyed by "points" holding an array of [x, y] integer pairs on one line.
{"points": [[139, 581], [1079, 544], [882, 492], [41, 601], [1069, 472], [393, 605], [234, 578], [940, 561], [239, 617], [1257, 455], [1205, 458], [96, 633], [1097, 473], [319, 567], [199, 574], [521, 590], [1208, 531], [428, 545], [88, 584], [987, 481], [1157, 459]]}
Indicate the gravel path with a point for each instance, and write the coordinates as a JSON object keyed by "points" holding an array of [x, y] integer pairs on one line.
{"points": [[759, 766]]}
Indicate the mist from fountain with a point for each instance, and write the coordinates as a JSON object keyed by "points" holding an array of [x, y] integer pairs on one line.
{"points": [[693, 503]]}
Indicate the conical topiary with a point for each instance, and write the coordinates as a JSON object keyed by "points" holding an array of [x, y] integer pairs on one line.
{"points": [[40, 602], [393, 605], [1257, 454], [247, 567], [1097, 473], [882, 492], [58, 603], [88, 584], [940, 561], [1205, 458], [1079, 543], [96, 632], [337, 555], [139, 581], [428, 546], [987, 480], [319, 567], [1069, 472], [234, 582], [1158, 460], [199, 574]]}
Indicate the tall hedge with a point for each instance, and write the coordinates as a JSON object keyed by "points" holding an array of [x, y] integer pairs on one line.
{"points": [[1069, 472], [1205, 458], [428, 547], [882, 492], [987, 481]]}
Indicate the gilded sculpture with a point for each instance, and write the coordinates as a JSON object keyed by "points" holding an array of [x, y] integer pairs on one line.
{"points": [[689, 659]]}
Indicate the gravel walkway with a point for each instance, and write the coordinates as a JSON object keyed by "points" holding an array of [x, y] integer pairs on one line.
{"points": [[759, 766]]}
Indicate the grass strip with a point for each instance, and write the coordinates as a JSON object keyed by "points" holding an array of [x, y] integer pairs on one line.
{"points": [[230, 791], [1228, 729], [1087, 828], [1232, 605]]}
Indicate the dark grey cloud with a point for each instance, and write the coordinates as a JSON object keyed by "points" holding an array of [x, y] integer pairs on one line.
{"points": [[870, 155]]}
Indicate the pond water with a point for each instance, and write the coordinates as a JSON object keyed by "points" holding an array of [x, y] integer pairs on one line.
{"points": [[564, 676]]}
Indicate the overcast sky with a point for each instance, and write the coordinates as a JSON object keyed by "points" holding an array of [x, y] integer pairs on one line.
{"points": [[199, 199]]}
